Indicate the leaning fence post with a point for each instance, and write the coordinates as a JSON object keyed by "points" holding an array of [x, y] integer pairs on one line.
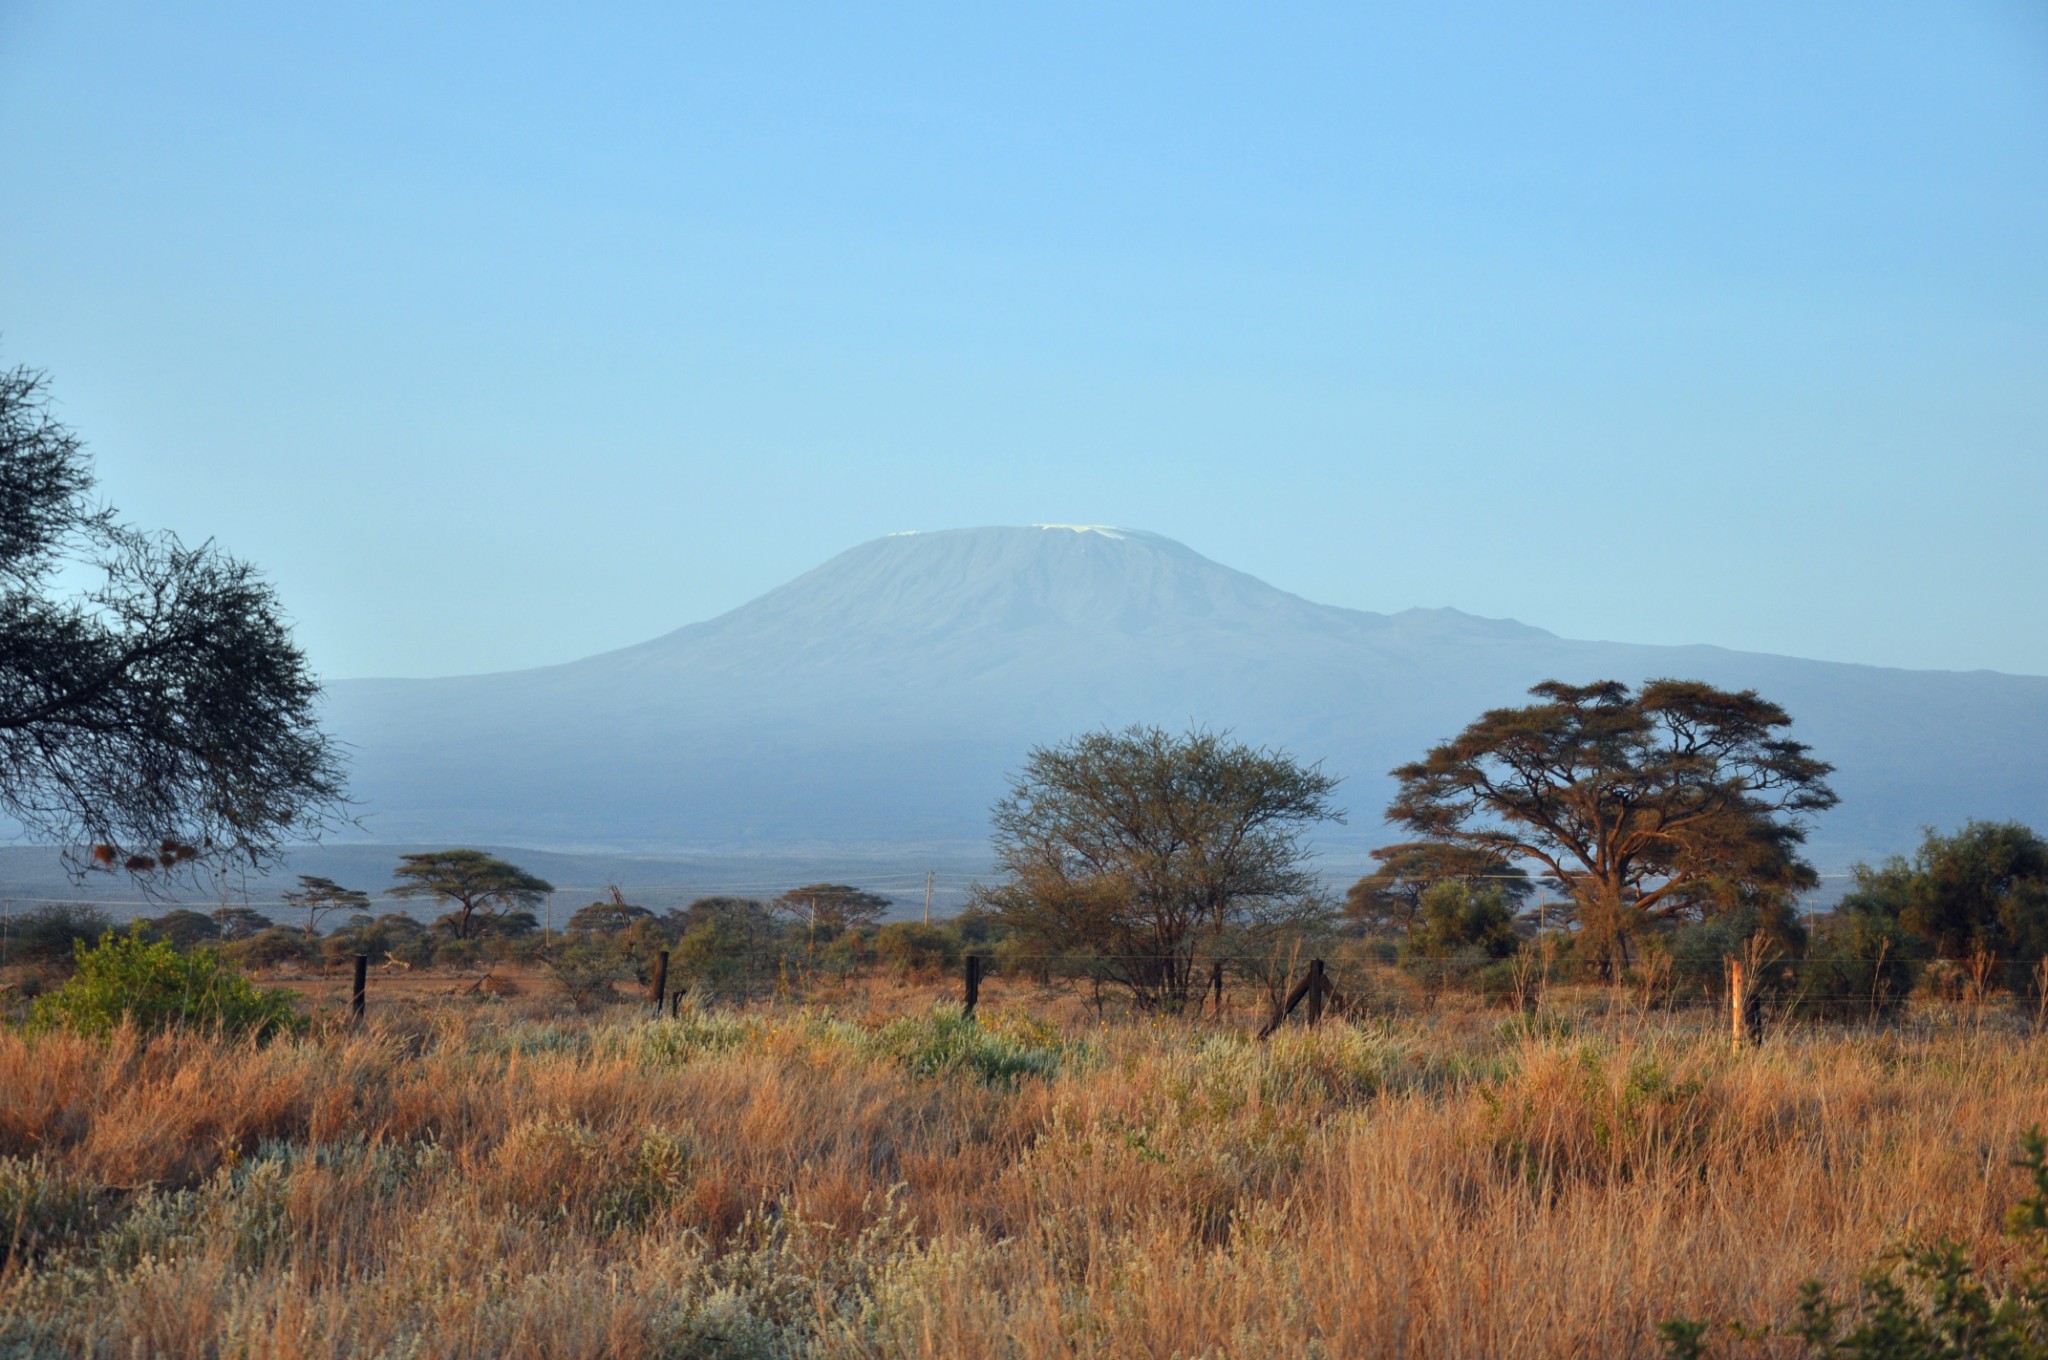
{"points": [[359, 995], [973, 985], [660, 981], [1317, 985]]}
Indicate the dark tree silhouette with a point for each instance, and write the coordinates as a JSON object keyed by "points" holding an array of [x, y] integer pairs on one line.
{"points": [[322, 895], [158, 713]]}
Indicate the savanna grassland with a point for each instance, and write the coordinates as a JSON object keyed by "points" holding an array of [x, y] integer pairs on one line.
{"points": [[869, 1175]]}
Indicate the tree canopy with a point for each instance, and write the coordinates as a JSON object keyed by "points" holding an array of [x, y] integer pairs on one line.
{"points": [[1390, 897], [158, 710], [321, 895], [1641, 805], [835, 906], [1143, 848], [476, 886], [1982, 889], [607, 917]]}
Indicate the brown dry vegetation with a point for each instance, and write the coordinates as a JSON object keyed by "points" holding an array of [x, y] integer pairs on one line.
{"points": [[474, 1176]]}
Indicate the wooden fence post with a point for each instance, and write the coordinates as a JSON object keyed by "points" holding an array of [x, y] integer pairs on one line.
{"points": [[1738, 1003], [1286, 1008], [358, 997], [1317, 985], [660, 981], [973, 986]]}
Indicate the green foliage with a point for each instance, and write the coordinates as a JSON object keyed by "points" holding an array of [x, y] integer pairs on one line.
{"points": [[475, 885], [945, 1041], [1458, 931], [1858, 965], [1981, 889], [1647, 805], [831, 907], [275, 946], [183, 928], [1928, 1303], [912, 948], [40, 1207], [50, 933], [726, 944], [1390, 897], [586, 971], [1137, 847], [393, 933], [152, 986]]}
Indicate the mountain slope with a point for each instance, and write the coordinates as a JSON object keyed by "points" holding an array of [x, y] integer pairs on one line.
{"points": [[881, 698]]}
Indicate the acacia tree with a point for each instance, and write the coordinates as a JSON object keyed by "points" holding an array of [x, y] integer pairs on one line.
{"points": [[836, 906], [159, 712], [1141, 849], [320, 895], [477, 887], [1390, 897], [1642, 806]]}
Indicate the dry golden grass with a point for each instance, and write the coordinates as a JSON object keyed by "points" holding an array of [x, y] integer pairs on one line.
{"points": [[474, 1176]]}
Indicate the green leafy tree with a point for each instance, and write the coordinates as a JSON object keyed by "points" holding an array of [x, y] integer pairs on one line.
{"points": [[1457, 930], [321, 895], [1644, 806], [147, 983], [159, 712], [240, 923], [727, 943], [475, 886], [607, 918], [49, 934], [1390, 897], [1982, 889], [1142, 850], [183, 928]]}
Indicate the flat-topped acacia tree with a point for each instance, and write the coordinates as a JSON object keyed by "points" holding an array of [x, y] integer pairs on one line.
{"points": [[320, 895], [471, 882], [1642, 806]]}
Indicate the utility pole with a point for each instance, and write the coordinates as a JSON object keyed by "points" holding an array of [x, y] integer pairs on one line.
{"points": [[927, 897]]}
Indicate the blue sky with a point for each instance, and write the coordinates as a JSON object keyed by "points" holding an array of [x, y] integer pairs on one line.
{"points": [[501, 335]]}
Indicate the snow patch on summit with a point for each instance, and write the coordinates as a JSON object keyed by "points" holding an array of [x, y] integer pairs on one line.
{"points": [[1106, 530]]}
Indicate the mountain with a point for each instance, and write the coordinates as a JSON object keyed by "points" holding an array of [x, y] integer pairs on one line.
{"points": [[877, 703]]}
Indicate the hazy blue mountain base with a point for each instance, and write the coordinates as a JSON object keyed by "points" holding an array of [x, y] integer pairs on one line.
{"points": [[872, 708]]}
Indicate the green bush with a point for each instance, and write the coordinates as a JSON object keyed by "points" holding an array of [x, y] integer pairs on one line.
{"points": [[151, 985], [1929, 1304], [915, 949], [946, 1041]]}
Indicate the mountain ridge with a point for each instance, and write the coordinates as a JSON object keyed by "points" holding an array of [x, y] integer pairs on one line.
{"points": [[882, 696]]}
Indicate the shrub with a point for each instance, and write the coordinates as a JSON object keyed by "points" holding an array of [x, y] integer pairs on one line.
{"points": [[946, 1041], [275, 946], [1930, 1304], [1458, 933], [920, 950], [48, 934], [152, 986], [183, 927]]}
